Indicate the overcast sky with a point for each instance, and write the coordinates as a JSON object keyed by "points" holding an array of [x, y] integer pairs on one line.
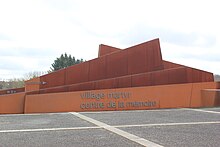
{"points": [[33, 33]]}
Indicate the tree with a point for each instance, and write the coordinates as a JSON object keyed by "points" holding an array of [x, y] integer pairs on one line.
{"points": [[19, 82], [1, 85], [64, 61], [12, 83], [33, 74], [217, 78]]}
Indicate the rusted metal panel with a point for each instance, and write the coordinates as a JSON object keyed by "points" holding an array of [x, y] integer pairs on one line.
{"points": [[105, 50], [106, 84], [53, 79], [124, 82], [97, 69], [77, 74], [116, 64]]}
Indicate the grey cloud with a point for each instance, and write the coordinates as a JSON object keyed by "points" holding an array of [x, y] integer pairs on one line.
{"points": [[30, 52], [143, 33], [10, 64], [45, 62], [9, 57], [211, 57], [189, 40]]}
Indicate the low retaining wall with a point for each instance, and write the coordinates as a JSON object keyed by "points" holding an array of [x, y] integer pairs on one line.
{"points": [[151, 97], [12, 103], [136, 98], [211, 97]]}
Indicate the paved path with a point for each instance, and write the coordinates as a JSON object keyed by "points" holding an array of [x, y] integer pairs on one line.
{"points": [[164, 127]]}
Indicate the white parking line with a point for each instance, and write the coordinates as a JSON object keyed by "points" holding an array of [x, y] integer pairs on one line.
{"points": [[47, 129], [127, 135], [116, 126], [10, 115], [168, 124], [200, 110], [131, 111], [32, 114], [218, 108]]}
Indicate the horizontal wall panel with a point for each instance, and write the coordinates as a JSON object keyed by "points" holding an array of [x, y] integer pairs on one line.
{"points": [[160, 78], [177, 75], [77, 74], [116, 64], [106, 84], [137, 60], [53, 79], [145, 57], [11, 91], [12, 103], [141, 80], [195, 75], [124, 82], [97, 69], [168, 65], [87, 86], [54, 90], [82, 86], [142, 98]]}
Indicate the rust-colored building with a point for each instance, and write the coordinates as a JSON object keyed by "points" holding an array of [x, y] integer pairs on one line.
{"points": [[116, 69]]}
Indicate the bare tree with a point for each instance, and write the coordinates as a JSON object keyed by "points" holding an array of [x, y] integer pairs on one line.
{"points": [[33, 74], [217, 77]]}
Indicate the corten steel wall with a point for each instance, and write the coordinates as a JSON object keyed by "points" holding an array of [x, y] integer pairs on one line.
{"points": [[117, 64], [105, 49], [97, 69], [211, 97], [51, 90], [145, 57], [206, 94], [168, 65], [197, 100], [141, 58], [79, 87], [77, 74], [53, 79], [32, 84], [163, 96], [10, 91], [195, 75], [12, 103], [163, 77], [106, 84], [119, 69]]}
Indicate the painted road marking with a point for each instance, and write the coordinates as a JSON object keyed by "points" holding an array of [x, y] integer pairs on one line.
{"points": [[131, 111], [217, 107], [33, 114], [116, 126], [10, 115], [127, 135], [168, 124], [47, 129], [200, 110]]}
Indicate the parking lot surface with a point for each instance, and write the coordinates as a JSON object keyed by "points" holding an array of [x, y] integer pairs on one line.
{"points": [[164, 127]]}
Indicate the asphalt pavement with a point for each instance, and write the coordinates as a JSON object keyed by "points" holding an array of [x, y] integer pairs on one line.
{"points": [[164, 127]]}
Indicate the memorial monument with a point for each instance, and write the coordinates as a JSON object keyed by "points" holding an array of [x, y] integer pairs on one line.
{"points": [[119, 79]]}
